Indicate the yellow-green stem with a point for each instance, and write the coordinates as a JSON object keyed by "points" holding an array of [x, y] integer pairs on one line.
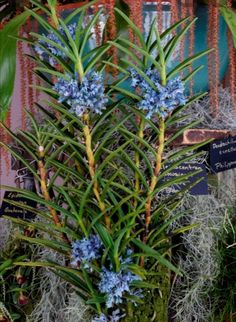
{"points": [[54, 19], [79, 68], [92, 172], [159, 154], [137, 159], [44, 189]]}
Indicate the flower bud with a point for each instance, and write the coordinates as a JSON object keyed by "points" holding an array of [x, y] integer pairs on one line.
{"points": [[3, 318], [28, 232], [20, 279], [23, 299], [41, 148]]}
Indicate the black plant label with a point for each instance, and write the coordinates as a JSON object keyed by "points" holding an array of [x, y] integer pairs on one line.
{"points": [[223, 154], [12, 210], [197, 182]]}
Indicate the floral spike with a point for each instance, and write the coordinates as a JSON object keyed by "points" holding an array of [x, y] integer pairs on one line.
{"points": [[84, 96], [164, 99]]}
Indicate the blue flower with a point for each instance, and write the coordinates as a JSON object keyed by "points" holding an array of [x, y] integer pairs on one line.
{"points": [[100, 318], [52, 48], [86, 249], [89, 94], [114, 285], [163, 99], [115, 317]]}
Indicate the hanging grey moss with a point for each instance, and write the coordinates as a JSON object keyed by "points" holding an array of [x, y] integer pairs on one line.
{"points": [[57, 302], [5, 232], [225, 120], [199, 259]]}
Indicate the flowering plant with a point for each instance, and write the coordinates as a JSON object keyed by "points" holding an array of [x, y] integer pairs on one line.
{"points": [[17, 284], [99, 160]]}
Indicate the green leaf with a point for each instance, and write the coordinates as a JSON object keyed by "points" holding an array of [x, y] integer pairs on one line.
{"points": [[87, 33], [63, 47], [174, 165], [180, 131], [175, 181], [51, 72], [140, 72], [117, 244], [185, 152], [18, 156], [33, 196], [153, 253], [107, 241], [60, 247], [128, 161], [34, 210], [192, 73], [8, 61], [127, 51], [70, 39], [161, 53], [41, 6], [96, 300], [108, 135], [78, 10], [176, 39], [139, 139], [88, 281], [119, 68], [104, 236], [126, 93], [7, 264], [229, 16], [52, 3], [79, 29], [144, 157], [74, 210], [149, 40], [137, 269], [74, 275], [164, 227], [187, 62], [172, 120], [134, 299], [51, 229], [21, 143], [173, 27], [132, 25], [143, 52], [98, 55], [141, 284], [184, 229]]}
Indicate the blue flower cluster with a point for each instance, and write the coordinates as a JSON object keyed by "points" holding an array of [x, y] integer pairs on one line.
{"points": [[52, 48], [89, 94], [114, 285], [163, 99], [115, 317], [86, 249]]}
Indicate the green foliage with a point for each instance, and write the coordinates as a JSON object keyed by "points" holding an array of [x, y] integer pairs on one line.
{"points": [[98, 174], [17, 283], [224, 291], [230, 18], [8, 61]]}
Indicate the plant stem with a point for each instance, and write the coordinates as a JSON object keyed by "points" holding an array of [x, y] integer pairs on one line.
{"points": [[137, 159], [45, 192], [54, 19], [159, 154], [92, 170], [79, 69]]}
